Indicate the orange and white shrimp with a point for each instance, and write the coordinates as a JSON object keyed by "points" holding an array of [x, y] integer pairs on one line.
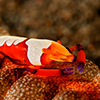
{"points": [[38, 52]]}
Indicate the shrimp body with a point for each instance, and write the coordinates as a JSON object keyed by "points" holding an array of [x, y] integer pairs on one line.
{"points": [[27, 50], [38, 52]]}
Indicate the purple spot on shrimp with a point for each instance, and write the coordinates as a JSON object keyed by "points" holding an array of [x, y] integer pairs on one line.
{"points": [[80, 66], [69, 73], [65, 71], [74, 59], [81, 69]]}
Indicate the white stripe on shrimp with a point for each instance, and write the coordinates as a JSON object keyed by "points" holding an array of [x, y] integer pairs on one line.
{"points": [[10, 40], [35, 47]]}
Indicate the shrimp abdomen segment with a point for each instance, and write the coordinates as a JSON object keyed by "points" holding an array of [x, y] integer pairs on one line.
{"points": [[14, 47]]}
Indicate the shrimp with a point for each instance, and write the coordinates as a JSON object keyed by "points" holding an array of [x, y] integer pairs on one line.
{"points": [[39, 52]]}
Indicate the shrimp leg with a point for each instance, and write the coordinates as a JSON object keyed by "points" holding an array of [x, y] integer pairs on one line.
{"points": [[81, 56]]}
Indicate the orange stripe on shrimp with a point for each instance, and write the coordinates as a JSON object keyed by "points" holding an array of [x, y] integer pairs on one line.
{"points": [[38, 52]]}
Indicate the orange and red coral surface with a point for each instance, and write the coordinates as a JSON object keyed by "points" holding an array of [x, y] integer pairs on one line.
{"points": [[78, 86]]}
